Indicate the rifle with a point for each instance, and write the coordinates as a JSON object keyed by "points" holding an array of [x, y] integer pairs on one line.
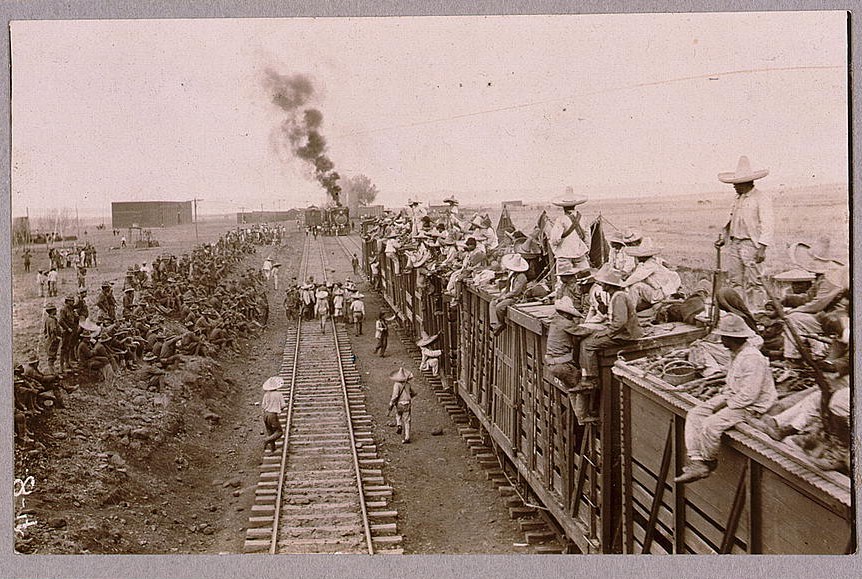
{"points": [[819, 378]]}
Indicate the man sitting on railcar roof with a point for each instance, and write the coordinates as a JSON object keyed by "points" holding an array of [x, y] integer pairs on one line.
{"points": [[749, 391]]}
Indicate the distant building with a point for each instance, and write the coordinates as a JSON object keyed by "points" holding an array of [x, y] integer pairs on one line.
{"points": [[512, 204], [150, 213], [268, 216], [369, 211]]}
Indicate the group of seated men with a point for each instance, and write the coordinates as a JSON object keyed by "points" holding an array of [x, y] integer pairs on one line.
{"points": [[195, 305]]}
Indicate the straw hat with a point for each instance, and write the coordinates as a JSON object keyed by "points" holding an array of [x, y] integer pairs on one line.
{"points": [[792, 275], [425, 340], [528, 247], [514, 262], [704, 286], [817, 257], [566, 267], [358, 296], [150, 357], [401, 375], [646, 249], [626, 237], [609, 276], [733, 326], [273, 383], [321, 293], [50, 308], [566, 305], [743, 173], [564, 203]]}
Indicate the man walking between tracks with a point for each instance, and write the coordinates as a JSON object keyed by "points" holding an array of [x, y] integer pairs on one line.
{"points": [[272, 405], [748, 232], [402, 401]]}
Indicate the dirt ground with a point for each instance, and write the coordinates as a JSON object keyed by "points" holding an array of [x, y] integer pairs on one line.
{"points": [[444, 502], [126, 470]]}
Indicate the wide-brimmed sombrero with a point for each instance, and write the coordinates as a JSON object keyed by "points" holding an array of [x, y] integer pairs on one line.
{"points": [[566, 305], [626, 237], [733, 326], [574, 202], [401, 375], [743, 174], [273, 383], [609, 276], [427, 340], [817, 257], [514, 262]]}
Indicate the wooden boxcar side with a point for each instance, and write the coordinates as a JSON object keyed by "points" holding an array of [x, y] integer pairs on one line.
{"points": [[763, 498], [575, 471], [600, 482]]}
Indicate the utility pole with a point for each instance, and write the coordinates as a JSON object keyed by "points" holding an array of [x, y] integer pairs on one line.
{"points": [[77, 223], [195, 200]]}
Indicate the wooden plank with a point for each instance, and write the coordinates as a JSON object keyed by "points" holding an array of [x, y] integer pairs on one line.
{"points": [[794, 524]]}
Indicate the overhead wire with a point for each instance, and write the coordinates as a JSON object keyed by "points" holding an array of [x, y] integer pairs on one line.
{"points": [[709, 76]]}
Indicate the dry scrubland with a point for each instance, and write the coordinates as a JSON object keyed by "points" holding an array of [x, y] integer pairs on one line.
{"points": [[686, 225]]}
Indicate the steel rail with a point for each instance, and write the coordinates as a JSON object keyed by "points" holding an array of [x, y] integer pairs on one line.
{"points": [[303, 268], [364, 511]]}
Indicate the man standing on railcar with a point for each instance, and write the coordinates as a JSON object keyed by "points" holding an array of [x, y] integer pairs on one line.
{"points": [[749, 391], [748, 231], [566, 236]]}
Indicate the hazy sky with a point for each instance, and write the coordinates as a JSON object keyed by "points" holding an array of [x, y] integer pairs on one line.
{"points": [[176, 109]]}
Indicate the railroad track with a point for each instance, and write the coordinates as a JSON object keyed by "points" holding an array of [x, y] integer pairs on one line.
{"points": [[322, 490]]}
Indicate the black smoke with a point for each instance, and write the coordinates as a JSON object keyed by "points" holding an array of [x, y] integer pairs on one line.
{"points": [[300, 130]]}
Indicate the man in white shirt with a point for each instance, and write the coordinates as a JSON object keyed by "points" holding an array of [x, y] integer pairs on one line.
{"points": [[748, 232], [357, 309]]}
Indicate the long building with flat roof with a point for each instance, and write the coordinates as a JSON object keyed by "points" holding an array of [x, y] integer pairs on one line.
{"points": [[150, 213]]}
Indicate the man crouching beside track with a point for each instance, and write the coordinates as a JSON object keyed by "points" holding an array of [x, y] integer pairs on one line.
{"points": [[749, 392]]}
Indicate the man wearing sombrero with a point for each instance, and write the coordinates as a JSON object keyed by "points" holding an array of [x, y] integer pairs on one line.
{"points": [[566, 236], [831, 284], [749, 391], [748, 231], [402, 401], [516, 282]]}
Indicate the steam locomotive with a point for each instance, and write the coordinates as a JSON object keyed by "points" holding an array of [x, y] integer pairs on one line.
{"points": [[331, 220]]}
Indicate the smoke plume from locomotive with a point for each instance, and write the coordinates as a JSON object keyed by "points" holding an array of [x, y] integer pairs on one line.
{"points": [[300, 130]]}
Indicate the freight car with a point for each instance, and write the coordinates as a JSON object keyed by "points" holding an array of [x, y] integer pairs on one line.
{"points": [[313, 216], [592, 479]]}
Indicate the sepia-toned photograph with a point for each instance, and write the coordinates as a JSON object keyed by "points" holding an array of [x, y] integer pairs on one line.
{"points": [[438, 285]]}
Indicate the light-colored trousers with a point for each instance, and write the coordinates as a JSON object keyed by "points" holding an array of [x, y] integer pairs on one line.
{"points": [[742, 272], [805, 325], [402, 419], [704, 427]]}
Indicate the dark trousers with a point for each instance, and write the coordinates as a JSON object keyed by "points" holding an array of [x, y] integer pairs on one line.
{"points": [[382, 342], [274, 430], [590, 347]]}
